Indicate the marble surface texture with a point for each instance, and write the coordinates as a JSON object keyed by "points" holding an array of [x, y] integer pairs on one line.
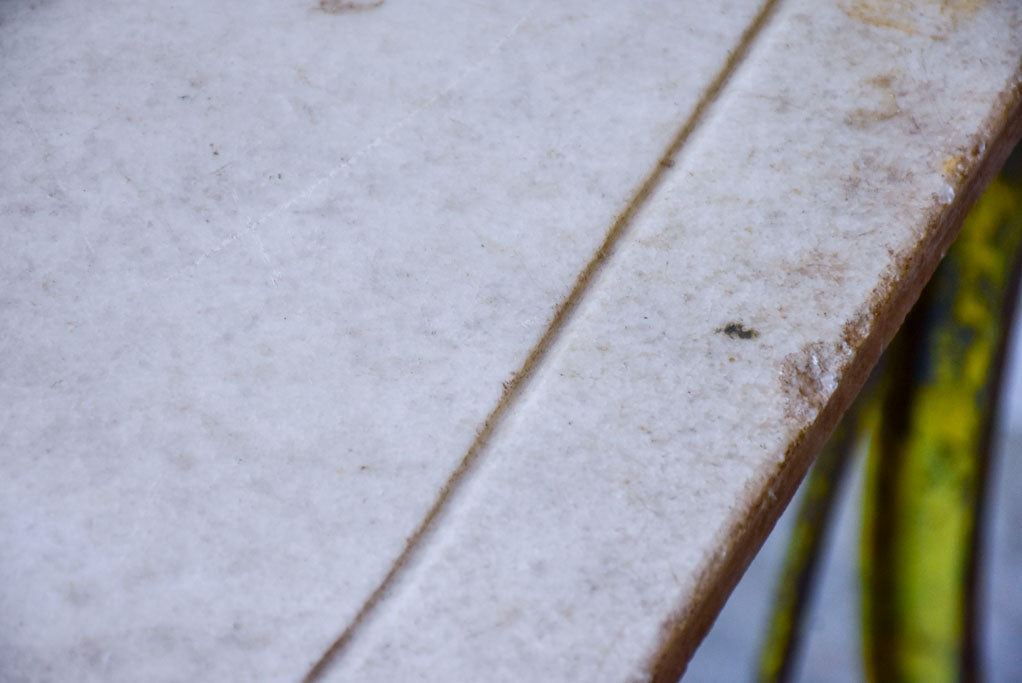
{"points": [[411, 341]]}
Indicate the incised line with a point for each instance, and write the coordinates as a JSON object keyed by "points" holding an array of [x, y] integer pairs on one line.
{"points": [[558, 323]]}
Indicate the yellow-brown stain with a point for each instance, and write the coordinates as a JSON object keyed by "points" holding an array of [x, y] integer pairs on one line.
{"points": [[914, 17], [883, 14], [953, 165], [883, 81], [886, 108], [863, 118]]}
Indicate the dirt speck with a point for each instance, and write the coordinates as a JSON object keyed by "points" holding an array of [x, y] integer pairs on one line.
{"points": [[881, 90], [346, 6], [737, 330]]}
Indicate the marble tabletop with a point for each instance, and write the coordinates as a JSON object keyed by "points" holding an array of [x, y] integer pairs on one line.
{"points": [[381, 340]]}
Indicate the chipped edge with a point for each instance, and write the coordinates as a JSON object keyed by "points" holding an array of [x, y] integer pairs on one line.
{"points": [[865, 337]]}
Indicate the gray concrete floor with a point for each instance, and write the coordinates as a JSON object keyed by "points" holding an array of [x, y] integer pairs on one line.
{"points": [[831, 651]]}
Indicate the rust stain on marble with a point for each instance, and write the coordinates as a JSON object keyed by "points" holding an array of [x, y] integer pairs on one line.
{"points": [[953, 165], [881, 14], [914, 17]]}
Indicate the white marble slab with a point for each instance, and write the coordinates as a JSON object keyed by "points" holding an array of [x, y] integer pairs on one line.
{"points": [[278, 276], [267, 269]]}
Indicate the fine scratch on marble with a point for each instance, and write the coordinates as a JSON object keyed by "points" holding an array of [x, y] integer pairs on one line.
{"points": [[40, 143], [349, 162], [258, 241]]}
